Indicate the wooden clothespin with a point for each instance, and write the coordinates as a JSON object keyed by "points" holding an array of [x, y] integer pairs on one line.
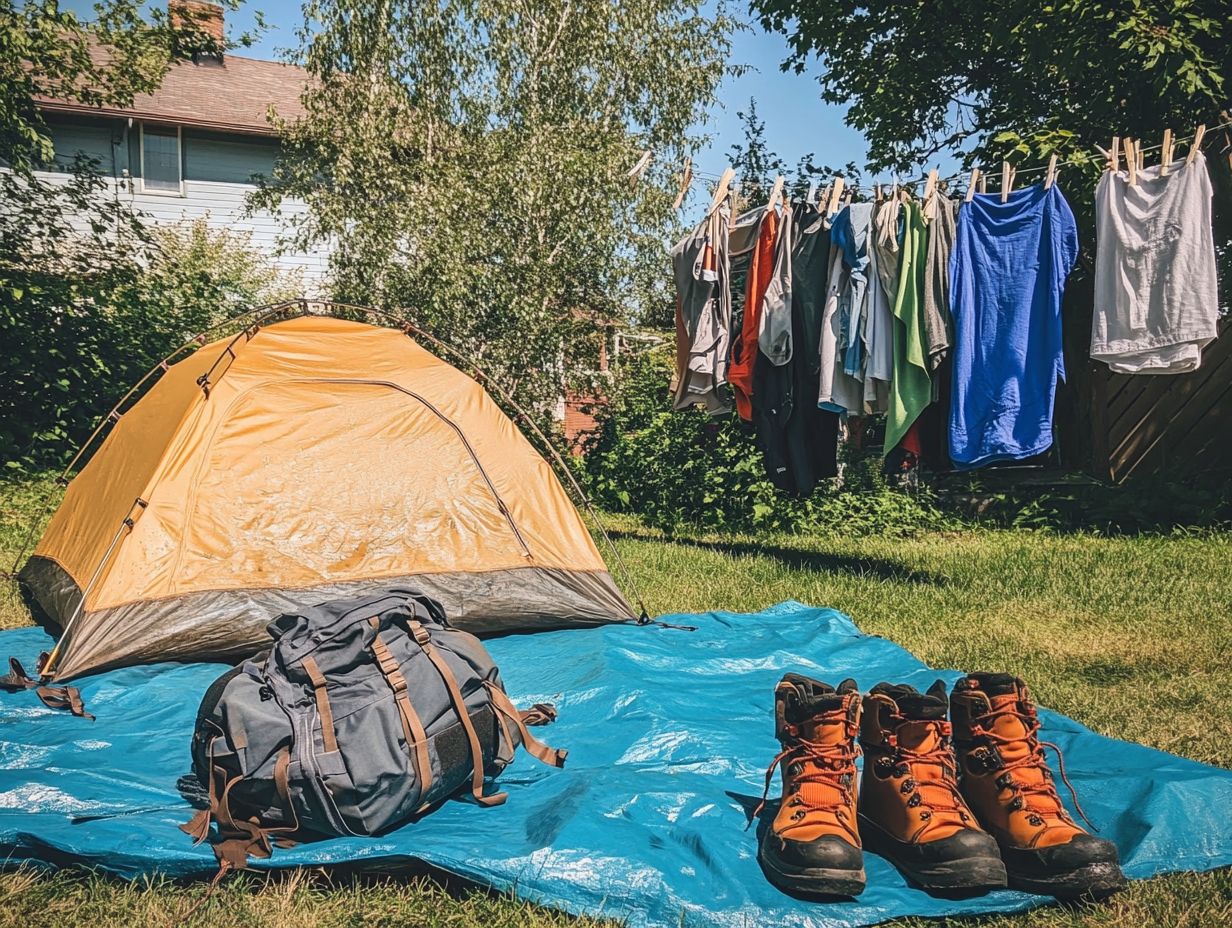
{"points": [[975, 176], [1007, 181], [1114, 157], [721, 190], [1131, 161], [812, 192], [835, 195], [878, 193], [930, 195], [1165, 153], [638, 169], [685, 180], [775, 192], [1051, 177], [1196, 145], [1138, 149]]}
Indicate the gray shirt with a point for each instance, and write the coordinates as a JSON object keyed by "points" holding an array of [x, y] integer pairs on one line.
{"points": [[703, 301]]}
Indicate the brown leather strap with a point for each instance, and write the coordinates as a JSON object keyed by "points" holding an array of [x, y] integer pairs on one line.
{"points": [[412, 727], [321, 693], [53, 697], [455, 694], [554, 757], [64, 697]]}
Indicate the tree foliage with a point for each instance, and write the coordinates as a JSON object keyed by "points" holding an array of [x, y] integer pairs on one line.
{"points": [[1009, 78], [469, 161]]}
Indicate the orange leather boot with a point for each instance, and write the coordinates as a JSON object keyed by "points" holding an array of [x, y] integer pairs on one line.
{"points": [[911, 811], [1007, 783], [812, 847]]}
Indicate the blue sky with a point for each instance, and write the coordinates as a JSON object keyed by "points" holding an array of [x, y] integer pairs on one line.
{"points": [[797, 122]]}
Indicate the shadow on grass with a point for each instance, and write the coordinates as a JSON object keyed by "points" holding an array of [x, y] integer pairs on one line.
{"points": [[797, 558]]}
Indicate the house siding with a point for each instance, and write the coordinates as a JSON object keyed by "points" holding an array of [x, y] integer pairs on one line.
{"points": [[218, 172]]}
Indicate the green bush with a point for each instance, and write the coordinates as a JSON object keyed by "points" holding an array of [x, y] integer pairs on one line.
{"points": [[685, 470], [91, 298]]}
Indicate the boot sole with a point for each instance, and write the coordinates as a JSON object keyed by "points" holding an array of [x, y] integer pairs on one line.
{"points": [[966, 873], [1094, 881], [813, 882]]}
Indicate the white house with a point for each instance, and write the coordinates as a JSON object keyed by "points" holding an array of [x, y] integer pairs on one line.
{"points": [[191, 149]]}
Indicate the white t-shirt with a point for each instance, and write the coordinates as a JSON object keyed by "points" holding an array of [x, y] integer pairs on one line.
{"points": [[1156, 304]]}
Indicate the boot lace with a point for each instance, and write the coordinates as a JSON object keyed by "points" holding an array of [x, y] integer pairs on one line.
{"points": [[1035, 758], [951, 803], [833, 765]]}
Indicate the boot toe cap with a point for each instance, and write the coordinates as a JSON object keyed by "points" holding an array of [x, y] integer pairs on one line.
{"points": [[961, 845], [1080, 851], [829, 852]]}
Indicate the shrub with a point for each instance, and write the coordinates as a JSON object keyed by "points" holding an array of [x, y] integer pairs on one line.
{"points": [[686, 470], [91, 298]]}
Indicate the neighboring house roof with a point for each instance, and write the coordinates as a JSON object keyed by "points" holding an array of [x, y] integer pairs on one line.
{"points": [[228, 95]]}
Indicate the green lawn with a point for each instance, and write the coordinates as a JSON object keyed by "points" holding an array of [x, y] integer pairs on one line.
{"points": [[1131, 636]]}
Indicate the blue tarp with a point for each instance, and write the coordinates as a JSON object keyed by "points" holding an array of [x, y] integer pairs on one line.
{"points": [[669, 734]]}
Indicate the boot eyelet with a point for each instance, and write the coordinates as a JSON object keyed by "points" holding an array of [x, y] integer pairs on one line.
{"points": [[908, 786], [964, 816], [795, 770], [913, 801], [901, 770], [1004, 781], [1035, 820], [796, 816], [925, 815], [1016, 804]]}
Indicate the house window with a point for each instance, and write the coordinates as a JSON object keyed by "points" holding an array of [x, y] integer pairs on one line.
{"points": [[160, 160]]}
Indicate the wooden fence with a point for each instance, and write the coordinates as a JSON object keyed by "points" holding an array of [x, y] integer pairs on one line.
{"points": [[1179, 425]]}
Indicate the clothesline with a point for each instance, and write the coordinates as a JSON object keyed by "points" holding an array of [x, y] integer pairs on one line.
{"points": [[952, 178]]}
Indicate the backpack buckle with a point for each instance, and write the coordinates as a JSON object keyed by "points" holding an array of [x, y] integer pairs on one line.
{"points": [[421, 634]]}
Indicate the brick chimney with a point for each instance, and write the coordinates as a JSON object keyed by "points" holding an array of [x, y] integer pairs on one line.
{"points": [[194, 14]]}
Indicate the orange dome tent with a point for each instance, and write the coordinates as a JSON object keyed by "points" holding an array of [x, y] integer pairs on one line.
{"points": [[309, 459]]}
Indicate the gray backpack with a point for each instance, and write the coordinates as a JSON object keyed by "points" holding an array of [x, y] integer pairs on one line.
{"points": [[363, 715]]}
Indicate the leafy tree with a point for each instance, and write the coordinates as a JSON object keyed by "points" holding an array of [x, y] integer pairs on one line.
{"points": [[1010, 79], [754, 163], [469, 160]]}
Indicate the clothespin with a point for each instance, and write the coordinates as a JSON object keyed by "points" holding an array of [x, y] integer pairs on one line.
{"points": [[685, 180], [1131, 161], [775, 192], [1007, 181], [1052, 171], [638, 169], [930, 195], [1115, 156], [1165, 153], [812, 191], [721, 190], [1196, 145], [975, 176], [835, 194], [1141, 155], [878, 194]]}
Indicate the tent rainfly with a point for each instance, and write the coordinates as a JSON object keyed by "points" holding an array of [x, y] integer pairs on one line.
{"points": [[320, 458]]}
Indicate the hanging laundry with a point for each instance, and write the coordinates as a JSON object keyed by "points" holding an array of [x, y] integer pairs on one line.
{"points": [[910, 388], [1007, 276], [838, 391], [938, 324], [703, 315], [799, 442], [852, 236], [1156, 305], [754, 263]]}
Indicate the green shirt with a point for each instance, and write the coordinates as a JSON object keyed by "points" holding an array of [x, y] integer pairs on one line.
{"points": [[911, 388]]}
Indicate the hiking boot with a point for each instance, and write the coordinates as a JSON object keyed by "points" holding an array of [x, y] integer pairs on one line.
{"points": [[911, 811], [812, 848], [1006, 781]]}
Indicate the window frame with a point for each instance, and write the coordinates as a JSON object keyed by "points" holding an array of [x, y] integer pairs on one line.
{"points": [[179, 151]]}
